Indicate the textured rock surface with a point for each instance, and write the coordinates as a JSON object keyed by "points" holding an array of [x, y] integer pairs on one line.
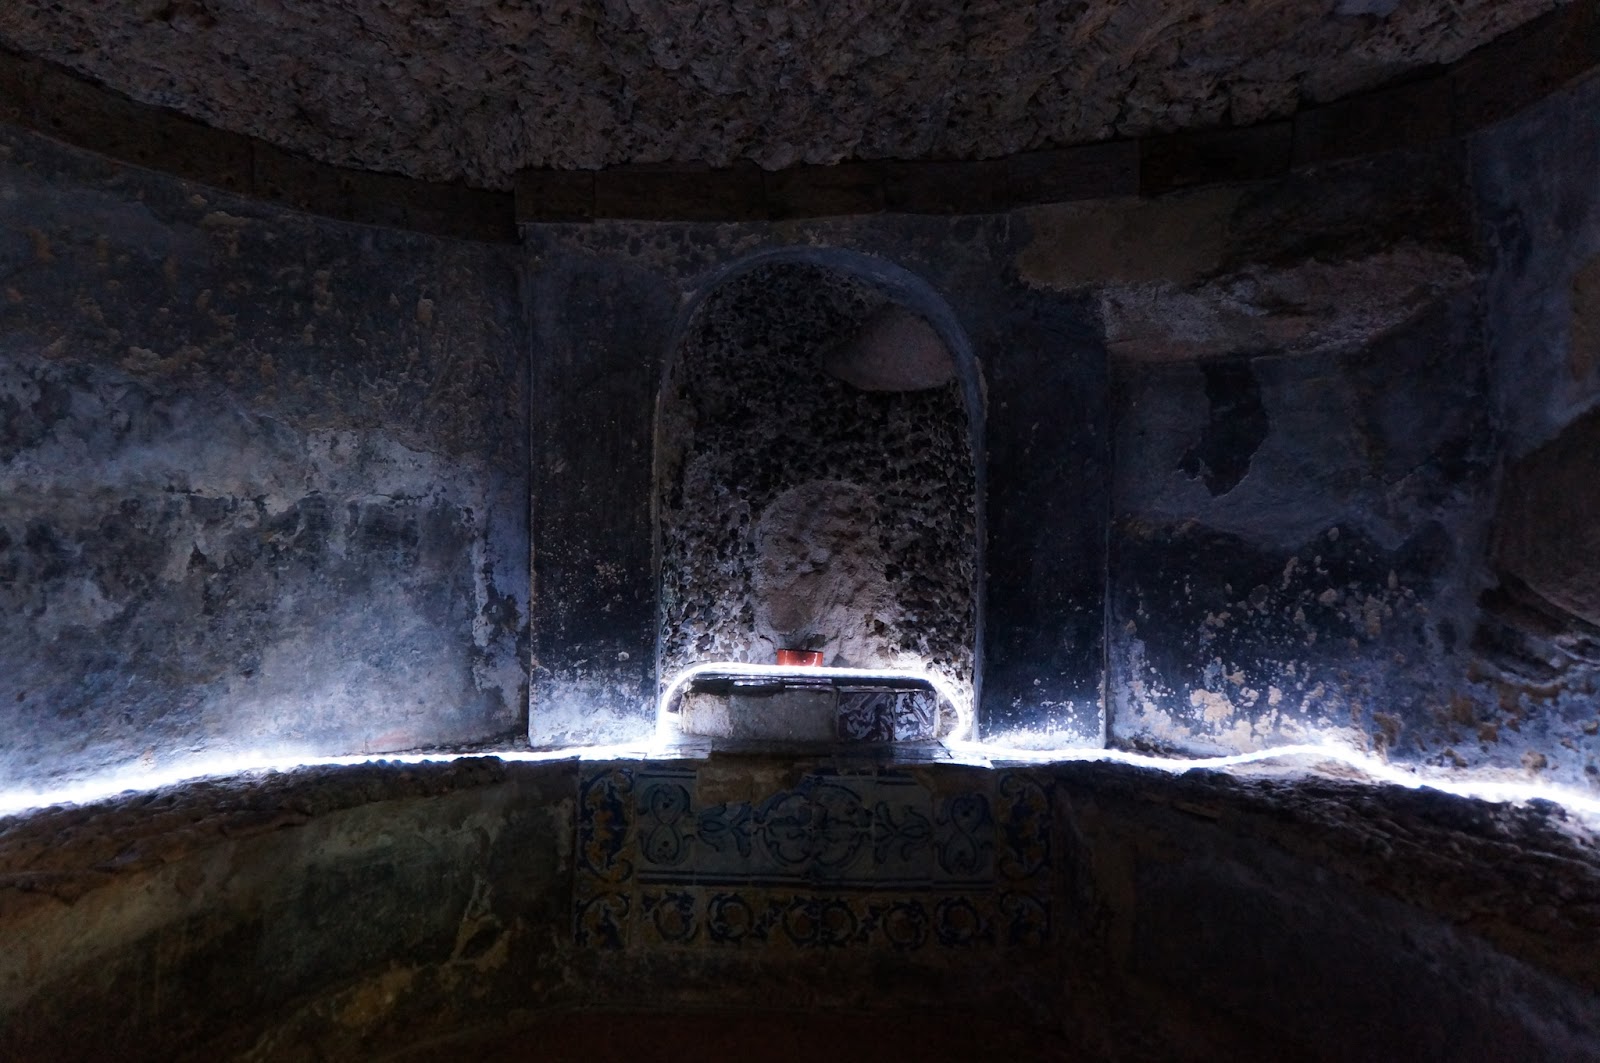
{"points": [[1536, 651], [1314, 308], [1548, 527], [479, 90], [1301, 543], [799, 512], [1301, 495], [819, 570], [1323, 262], [788, 716], [1537, 644], [1541, 216], [608, 302], [356, 912], [262, 478]]}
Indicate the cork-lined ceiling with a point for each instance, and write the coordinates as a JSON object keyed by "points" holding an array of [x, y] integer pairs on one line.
{"points": [[478, 89]]}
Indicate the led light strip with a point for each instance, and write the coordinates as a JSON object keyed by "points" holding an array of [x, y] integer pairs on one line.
{"points": [[981, 754], [1455, 782], [201, 767]]}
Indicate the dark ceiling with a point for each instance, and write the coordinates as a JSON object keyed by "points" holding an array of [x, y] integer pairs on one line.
{"points": [[478, 89]]}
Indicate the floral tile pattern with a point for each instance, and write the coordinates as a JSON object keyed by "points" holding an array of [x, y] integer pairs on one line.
{"points": [[837, 861]]}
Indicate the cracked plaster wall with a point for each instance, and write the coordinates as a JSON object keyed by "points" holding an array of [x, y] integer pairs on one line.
{"points": [[262, 477], [1303, 452]]}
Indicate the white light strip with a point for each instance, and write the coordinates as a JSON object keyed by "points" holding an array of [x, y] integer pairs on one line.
{"points": [[739, 669], [1456, 782], [979, 753], [201, 767]]}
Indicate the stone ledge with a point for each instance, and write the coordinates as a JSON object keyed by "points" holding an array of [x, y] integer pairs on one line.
{"points": [[1526, 65], [1487, 86], [46, 99], [1417, 112], [1218, 156], [678, 193]]}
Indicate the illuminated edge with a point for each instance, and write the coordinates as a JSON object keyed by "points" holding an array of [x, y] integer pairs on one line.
{"points": [[665, 730], [1457, 782], [201, 767], [979, 754]]}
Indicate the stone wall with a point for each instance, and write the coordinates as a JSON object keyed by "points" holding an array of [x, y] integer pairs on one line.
{"points": [[1353, 470], [1535, 661], [1306, 388], [262, 477], [1301, 448], [1074, 912], [1268, 419]]}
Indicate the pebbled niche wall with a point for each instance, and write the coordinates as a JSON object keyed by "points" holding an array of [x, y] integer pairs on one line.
{"points": [[610, 302], [263, 477], [797, 510]]}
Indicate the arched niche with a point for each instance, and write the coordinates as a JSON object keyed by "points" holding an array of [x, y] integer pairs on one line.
{"points": [[818, 481]]}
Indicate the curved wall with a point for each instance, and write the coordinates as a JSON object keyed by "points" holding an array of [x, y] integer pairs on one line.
{"points": [[389, 912], [263, 477], [263, 496], [1482, 88], [263, 483]]}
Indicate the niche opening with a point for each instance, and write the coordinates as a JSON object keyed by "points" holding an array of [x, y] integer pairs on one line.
{"points": [[817, 491]]}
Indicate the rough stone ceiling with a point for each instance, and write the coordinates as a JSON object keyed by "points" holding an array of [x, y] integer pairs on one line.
{"points": [[478, 89]]}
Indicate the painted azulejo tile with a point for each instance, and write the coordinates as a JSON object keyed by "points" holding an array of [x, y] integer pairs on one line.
{"points": [[836, 861], [876, 715]]}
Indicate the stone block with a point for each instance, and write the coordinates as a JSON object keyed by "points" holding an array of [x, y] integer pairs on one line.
{"points": [[475, 214], [1524, 66], [301, 184], [1175, 239], [90, 117], [1548, 523], [431, 207], [790, 715], [17, 78]]}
